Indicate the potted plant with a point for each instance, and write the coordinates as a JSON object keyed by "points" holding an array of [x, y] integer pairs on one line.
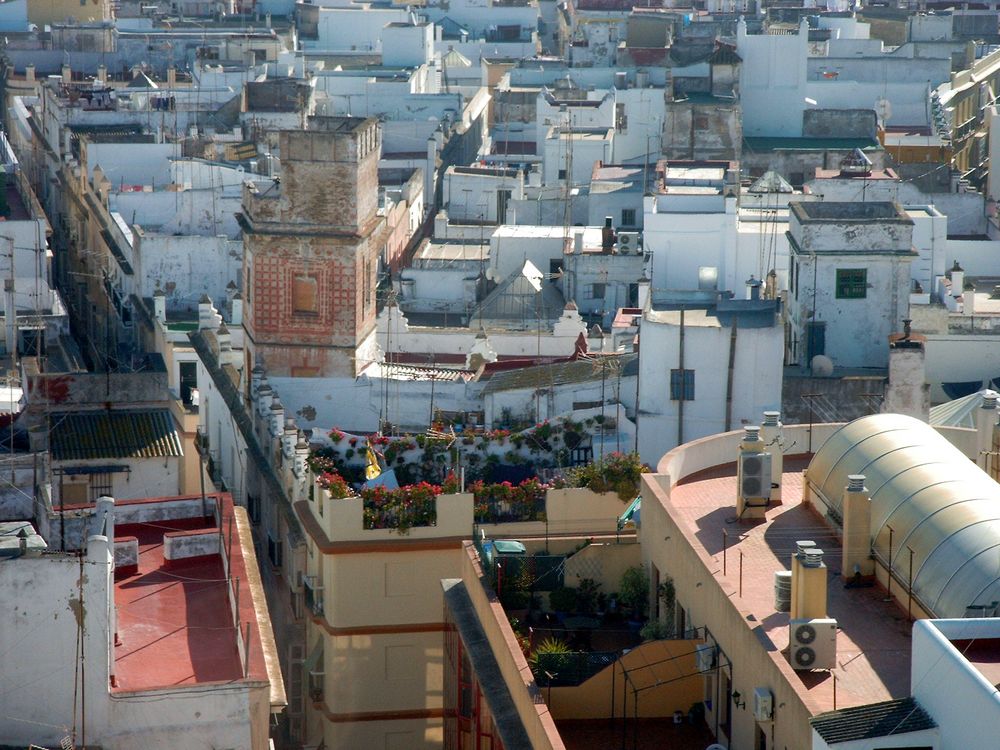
{"points": [[668, 596], [653, 630], [586, 596], [563, 601], [551, 657], [633, 593]]}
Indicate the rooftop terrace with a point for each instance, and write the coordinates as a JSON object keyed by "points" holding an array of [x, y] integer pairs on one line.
{"points": [[179, 565], [873, 644]]}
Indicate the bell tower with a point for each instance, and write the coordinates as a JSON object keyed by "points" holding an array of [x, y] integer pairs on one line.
{"points": [[311, 242]]}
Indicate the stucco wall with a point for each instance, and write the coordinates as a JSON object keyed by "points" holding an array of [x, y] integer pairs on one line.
{"points": [[965, 705], [609, 690]]}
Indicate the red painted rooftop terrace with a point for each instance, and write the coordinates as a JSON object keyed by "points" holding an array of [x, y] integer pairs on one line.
{"points": [[189, 601]]}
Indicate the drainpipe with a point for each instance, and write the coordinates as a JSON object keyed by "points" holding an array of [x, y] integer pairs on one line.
{"points": [[729, 380], [680, 402]]}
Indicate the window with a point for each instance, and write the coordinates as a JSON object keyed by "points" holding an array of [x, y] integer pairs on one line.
{"points": [[503, 199], [273, 550], [682, 385], [596, 291], [628, 217], [253, 507], [305, 294], [852, 283], [562, 174], [101, 485]]}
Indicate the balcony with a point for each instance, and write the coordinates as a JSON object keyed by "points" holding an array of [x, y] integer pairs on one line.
{"points": [[313, 595]]}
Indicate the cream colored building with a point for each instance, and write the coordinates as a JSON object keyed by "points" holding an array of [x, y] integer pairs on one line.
{"points": [[48, 12], [886, 523], [376, 627]]}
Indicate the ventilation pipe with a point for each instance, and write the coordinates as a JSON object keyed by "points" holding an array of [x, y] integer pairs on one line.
{"points": [[857, 510], [771, 433], [808, 582], [986, 420]]}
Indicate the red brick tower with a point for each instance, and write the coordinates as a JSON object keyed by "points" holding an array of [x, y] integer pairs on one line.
{"points": [[311, 243]]}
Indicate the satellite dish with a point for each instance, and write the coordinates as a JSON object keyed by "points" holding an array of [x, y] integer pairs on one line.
{"points": [[716, 746], [822, 366]]}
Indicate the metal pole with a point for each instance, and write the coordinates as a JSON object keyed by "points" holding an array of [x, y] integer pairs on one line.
{"points": [[246, 653], [888, 581], [741, 574], [909, 589], [725, 541]]}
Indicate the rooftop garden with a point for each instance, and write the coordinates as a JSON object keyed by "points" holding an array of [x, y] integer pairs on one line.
{"points": [[508, 473]]}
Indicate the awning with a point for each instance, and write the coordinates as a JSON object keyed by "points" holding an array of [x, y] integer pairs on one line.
{"points": [[632, 514], [314, 659]]}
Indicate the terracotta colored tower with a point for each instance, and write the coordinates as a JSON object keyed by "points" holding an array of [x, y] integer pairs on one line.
{"points": [[311, 243]]}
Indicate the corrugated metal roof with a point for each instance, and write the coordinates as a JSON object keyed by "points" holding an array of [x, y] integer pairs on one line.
{"points": [[960, 412], [936, 501], [79, 436], [874, 720]]}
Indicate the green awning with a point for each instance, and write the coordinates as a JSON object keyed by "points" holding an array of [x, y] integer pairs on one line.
{"points": [[315, 658], [630, 512]]}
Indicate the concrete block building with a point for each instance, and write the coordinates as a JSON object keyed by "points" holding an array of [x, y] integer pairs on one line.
{"points": [[850, 281]]}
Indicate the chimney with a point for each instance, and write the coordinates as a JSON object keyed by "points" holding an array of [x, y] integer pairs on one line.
{"points": [[256, 378], [907, 391], [986, 419], [29, 73], [160, 305], [225, 342], [102, 74], [301, 454], [753, 476], [968, 298], [277, 417], [264, 396], [957, 276], [236, 310], [289, 438], [607, 235], [171, 77], [857, 513], [578, 243], [771, 434], [67, 74], [808, 582], [103, 521], [208, 316]]}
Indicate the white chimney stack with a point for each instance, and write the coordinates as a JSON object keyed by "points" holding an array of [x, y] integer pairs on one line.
{"points": [[986, 418], [957, 280], [160, 305]]}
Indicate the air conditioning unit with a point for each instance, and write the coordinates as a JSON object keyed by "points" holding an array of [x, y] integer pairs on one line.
{"points": [[763, 704], [704, 656], [629, 243], [755, 477], [812, 644]]}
